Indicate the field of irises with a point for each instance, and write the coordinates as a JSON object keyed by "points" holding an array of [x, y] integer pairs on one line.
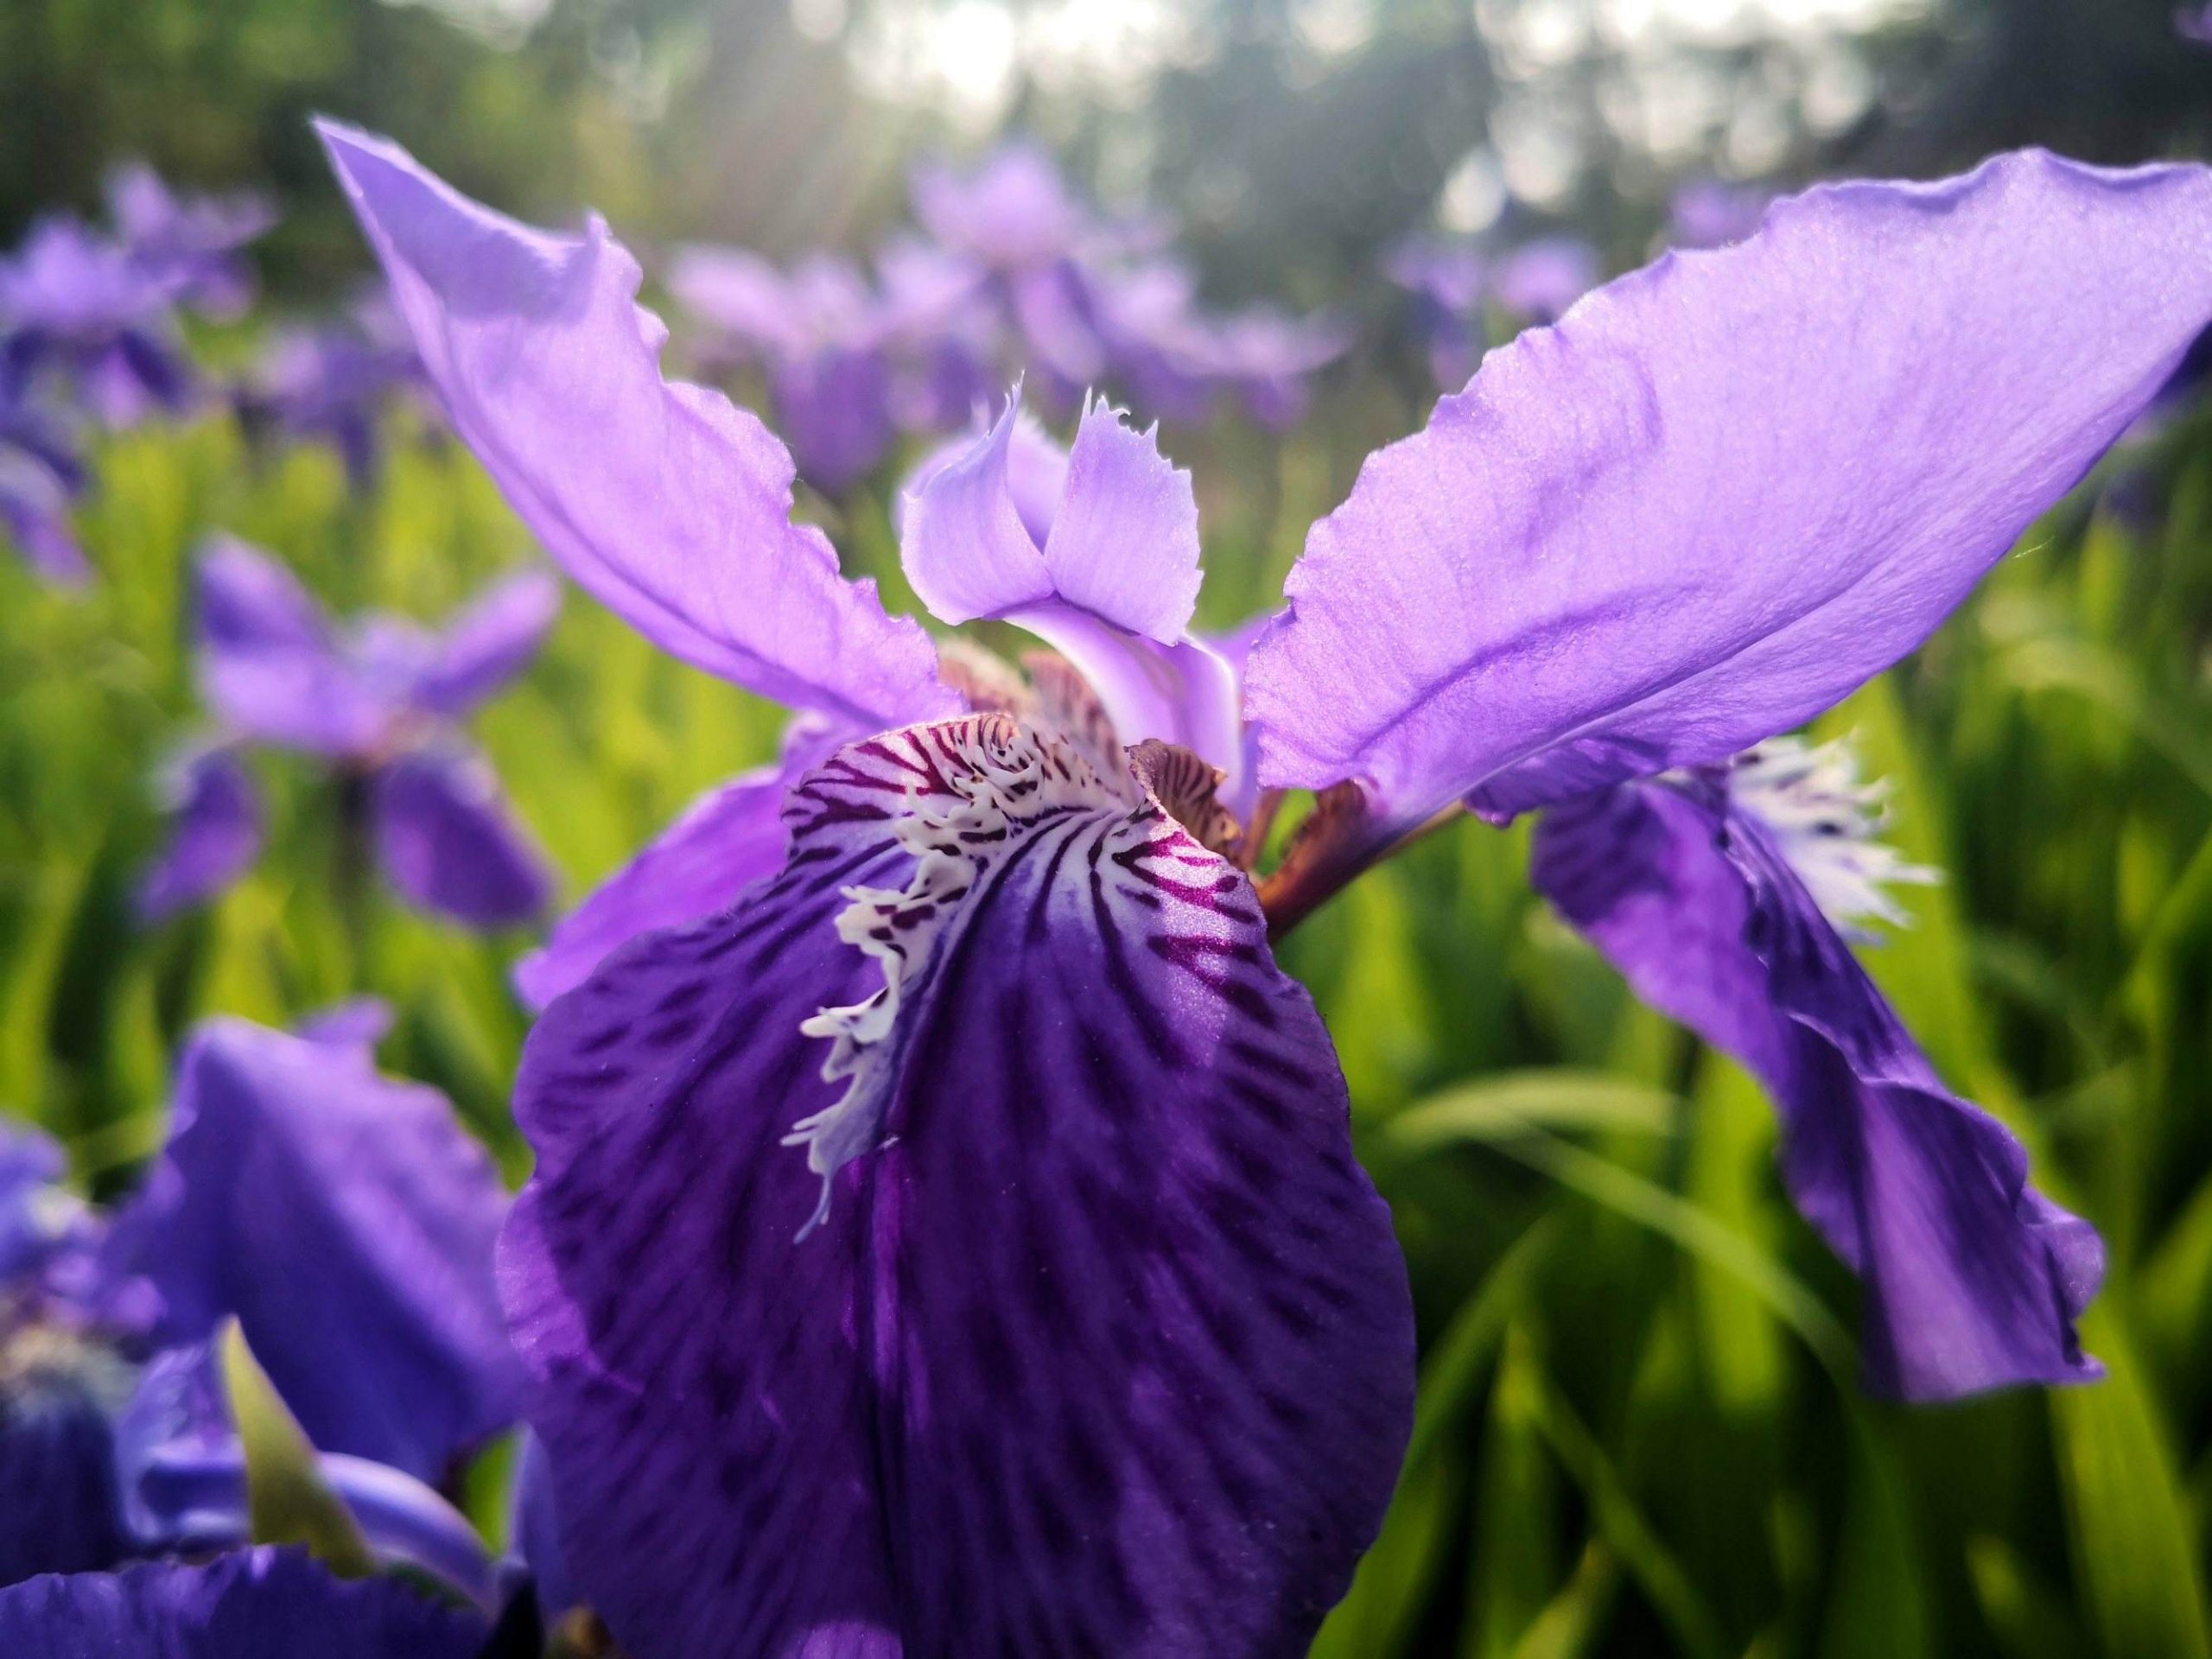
{"points": [[946, 1232]]}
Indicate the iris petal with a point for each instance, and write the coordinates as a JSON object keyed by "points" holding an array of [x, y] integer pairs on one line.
{"points": [[346, 1220], [450, 842], [664, 500], [1725, 491], [258, 1604], [1973, 1280], [1104, 1343]]}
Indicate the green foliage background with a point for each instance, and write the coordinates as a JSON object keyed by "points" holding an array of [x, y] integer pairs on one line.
{"points": [[1639, 1432]]}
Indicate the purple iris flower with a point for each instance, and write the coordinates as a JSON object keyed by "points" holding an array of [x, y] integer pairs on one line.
{"points": [[1138, 1227], [1446, 280], [1709, 212], [346, 1221], [41, 477], [380, 705], [1267, 358], [2194, 24], [190, 245], [955, 1244], [79, 313], [823, 335], [258, 1604], [332, 382]]}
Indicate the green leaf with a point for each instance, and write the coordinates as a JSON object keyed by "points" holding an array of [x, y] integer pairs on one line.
{"points": [[1514, 1102], [288, 1502], [2134, 1546]]}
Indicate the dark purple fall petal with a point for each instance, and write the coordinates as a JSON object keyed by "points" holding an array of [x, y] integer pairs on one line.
{"points": [[215, 834], [1102, 1344], [450, 842], [1973, 1280], [258, 1604], [663, 501], [346, 1220], [1726, 490]]}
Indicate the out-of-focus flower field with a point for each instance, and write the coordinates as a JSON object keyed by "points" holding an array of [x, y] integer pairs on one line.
{"points": [[1640, 1428]]}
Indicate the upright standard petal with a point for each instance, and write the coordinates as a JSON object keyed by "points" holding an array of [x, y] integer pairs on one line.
{"points": [[490, 642], [449, 841], [724, 841], [346, 1220], [1102, 1344], [215, 833], [1973, 1280], [664, 500], [1728, 490], [268, 662], [258, 1604]]}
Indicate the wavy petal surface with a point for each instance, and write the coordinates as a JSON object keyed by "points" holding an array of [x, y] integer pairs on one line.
{"points": [[1102, 1344], [1728, 490], [346, 1220], [664, 500], [1973, 1278], [258, 1603]]}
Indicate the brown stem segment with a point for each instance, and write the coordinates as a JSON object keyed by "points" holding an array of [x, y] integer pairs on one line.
{"points": [[1340, 841]]}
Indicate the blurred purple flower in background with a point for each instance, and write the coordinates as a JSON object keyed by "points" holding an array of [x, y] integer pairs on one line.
{"points": [[188, 244], [2194, 24], [823, 335], [345, 1221], [1537, 281], [82, 320], [334, 382], [1447, 279], [41, 477], [380, 705], [1709, 212]]}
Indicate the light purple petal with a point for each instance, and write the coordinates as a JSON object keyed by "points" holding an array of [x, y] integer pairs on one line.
{"points": [[1973, 1280], [268, 662], [355, 1026], [450, 842], [1121, 542], [346, 1220], [1124, 544], [1036, 473], [1103, 1346], [215, 834], [1728, 490], [663, 501], [258, 1604], [834, 405], [724, 841], [491, 642]]}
